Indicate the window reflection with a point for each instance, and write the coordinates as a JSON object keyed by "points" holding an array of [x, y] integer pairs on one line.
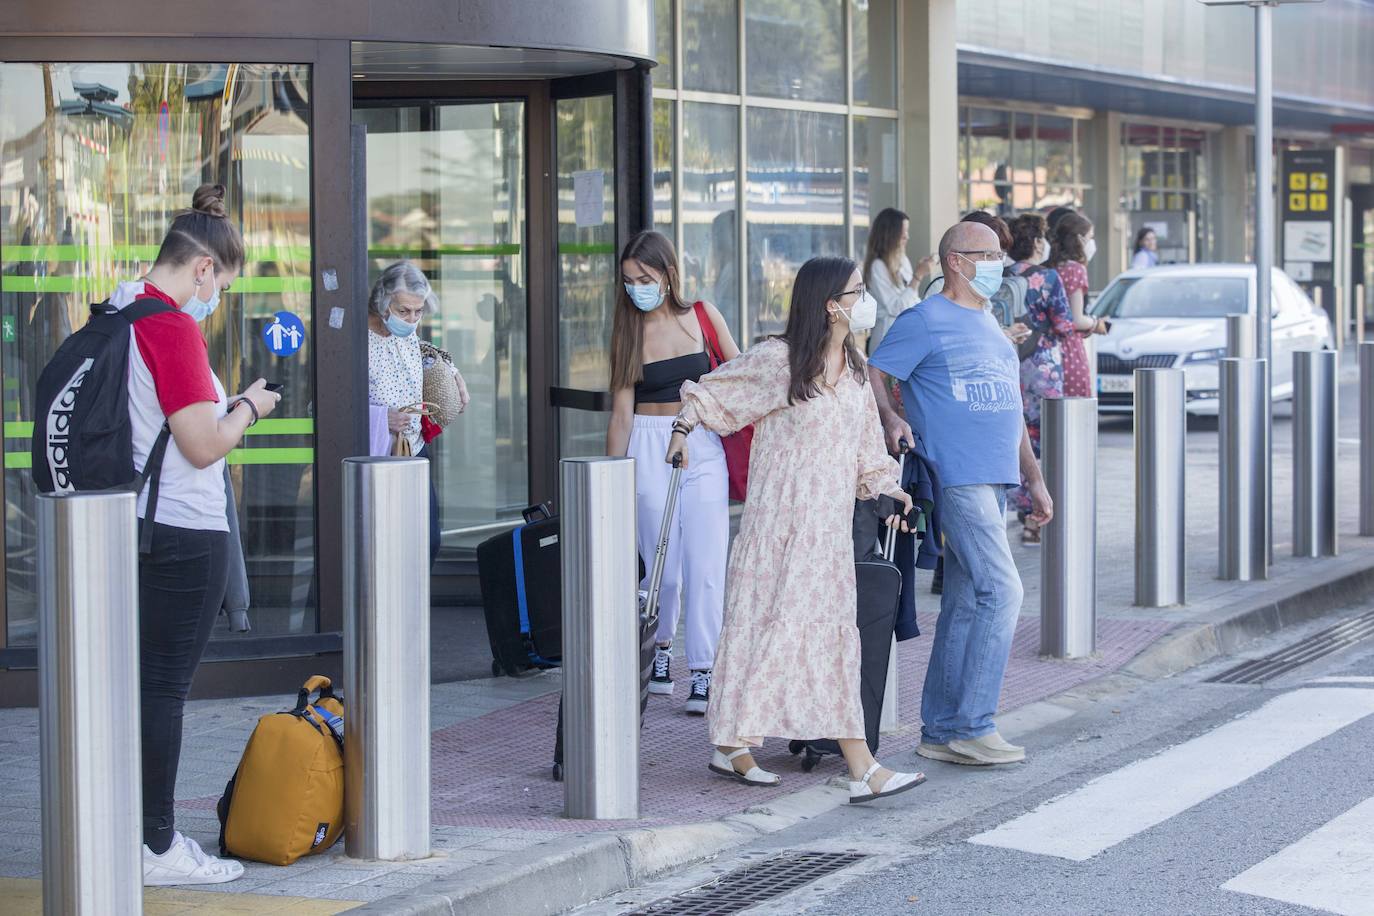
{"points": [[875, 53], [710, 257], [796, 204], [710, 45], [663, 166], [663, 37], [875, 172], [98, 158], [795, 49]]}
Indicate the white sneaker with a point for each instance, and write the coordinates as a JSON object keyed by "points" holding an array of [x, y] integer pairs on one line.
{"points": [[185, 862]]}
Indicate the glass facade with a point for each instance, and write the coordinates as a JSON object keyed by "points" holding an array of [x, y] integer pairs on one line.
{"points": [[446, 191], [1015, 160], [790, 168], [1165, 185], [98, 158]]}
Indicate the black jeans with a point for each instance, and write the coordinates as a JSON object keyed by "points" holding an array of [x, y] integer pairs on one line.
{"points": [[181, 586]]}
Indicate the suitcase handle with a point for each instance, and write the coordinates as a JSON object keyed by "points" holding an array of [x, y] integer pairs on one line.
{"points": [[890, 536], [537, 513], [319, 683], [661, 551]]}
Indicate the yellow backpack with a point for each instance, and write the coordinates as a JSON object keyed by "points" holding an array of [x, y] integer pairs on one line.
{"points": [[286, 800]]}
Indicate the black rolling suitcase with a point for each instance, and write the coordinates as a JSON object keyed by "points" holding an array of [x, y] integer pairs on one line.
{"points": [[879, 587], [648, 619], [522, 580]]}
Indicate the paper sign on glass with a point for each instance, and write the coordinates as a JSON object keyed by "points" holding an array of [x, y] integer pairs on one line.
{"points": [[589, 197]]}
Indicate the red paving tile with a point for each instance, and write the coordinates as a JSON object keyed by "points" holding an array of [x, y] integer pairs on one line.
{"points": [[494, 771]]}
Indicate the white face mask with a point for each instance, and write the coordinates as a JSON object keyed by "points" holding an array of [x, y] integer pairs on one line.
{"points": [[1041, 253], [1089, 249], [862, 315]]}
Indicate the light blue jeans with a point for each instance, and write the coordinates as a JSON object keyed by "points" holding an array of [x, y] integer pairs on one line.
{"points": [[978, 610]]}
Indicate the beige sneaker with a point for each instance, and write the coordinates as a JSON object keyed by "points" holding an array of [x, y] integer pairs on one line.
{"points": [[943, 752], [988, 749]]}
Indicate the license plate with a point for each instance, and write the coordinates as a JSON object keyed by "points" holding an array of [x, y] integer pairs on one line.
{"points": [[1115, 384]]}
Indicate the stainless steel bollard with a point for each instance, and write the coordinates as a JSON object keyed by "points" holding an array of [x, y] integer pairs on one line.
{"points": [[88, 699], [600, 639], [1240, 336], [1367, 439], [1068, 558], [1359, 313], [1314, 453], [386, 658], [1161, 427], [1243, 437]]}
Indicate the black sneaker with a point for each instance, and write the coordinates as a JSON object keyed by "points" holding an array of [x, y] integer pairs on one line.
{"points": [[700, 696], [662, 681]]}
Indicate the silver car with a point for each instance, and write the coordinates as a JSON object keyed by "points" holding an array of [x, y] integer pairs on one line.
{"points": [[1175, 316]]}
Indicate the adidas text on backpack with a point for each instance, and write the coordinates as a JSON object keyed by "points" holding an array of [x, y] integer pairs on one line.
{"points": [[82, 433]]}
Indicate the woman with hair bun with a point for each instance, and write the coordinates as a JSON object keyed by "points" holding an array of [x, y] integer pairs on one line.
{"points": [[182, 580]]}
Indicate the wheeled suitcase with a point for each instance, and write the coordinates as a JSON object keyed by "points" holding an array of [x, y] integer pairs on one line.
{"points": [[522, 580], [648, 617], [879, 591]]}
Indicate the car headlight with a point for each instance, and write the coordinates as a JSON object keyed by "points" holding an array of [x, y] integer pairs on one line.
{"points": [[1206, 356]]}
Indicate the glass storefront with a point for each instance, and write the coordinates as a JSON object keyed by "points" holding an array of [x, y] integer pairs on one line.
{"points": [[97, 159], [1013, 160], [750, 185], [446, 190], [1166, 187]]}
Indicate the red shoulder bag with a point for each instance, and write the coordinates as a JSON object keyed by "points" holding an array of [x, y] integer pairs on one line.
{"points": [[737, 445]]}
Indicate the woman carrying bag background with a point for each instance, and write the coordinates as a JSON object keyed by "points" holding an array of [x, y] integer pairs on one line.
{"points": [[398, 414], [660, 342]]}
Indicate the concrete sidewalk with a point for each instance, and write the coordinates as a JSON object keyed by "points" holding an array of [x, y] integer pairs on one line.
{"points": [[501, 845]]}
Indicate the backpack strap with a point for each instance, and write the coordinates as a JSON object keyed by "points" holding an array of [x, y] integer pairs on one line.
{"points": [[141, 308]]}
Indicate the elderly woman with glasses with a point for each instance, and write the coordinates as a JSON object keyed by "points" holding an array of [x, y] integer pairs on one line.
{"points": [[396, 373]]}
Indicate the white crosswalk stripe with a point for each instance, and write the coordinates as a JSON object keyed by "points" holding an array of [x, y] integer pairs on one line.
{"points": [[1143, 794], [1332, 868]]}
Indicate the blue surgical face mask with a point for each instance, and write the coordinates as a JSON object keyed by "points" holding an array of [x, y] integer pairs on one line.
{"points": [[399, 326], [987, 277], [200, 309], [645, 296]]}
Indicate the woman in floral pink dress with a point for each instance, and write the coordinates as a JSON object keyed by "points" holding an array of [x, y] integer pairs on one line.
{"points": [[1071, 248], [788, 662]]}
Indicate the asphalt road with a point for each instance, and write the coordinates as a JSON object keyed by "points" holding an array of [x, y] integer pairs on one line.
{"points": [[1174, 797]]}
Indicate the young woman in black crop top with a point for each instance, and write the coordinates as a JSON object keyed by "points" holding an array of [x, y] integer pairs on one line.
{"points": [[658, 344]]}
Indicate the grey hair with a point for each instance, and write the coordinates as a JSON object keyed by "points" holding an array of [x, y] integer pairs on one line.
{"points": [[401, 277]]}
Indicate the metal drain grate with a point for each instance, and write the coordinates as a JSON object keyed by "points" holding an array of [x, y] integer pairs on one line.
{"points": [[1318, 645], [744, 887]]}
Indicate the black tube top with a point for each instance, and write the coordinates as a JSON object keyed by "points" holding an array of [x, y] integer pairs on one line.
{"points": [[663, 380]]}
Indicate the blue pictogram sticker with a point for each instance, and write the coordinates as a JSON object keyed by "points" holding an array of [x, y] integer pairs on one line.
{"points": [[284, 334]]}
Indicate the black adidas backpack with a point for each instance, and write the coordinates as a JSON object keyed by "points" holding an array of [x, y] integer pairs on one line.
{"points": [[82, 434]]}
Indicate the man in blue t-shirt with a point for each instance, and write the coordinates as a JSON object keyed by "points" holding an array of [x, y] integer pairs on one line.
{"points": [[961, 389]]}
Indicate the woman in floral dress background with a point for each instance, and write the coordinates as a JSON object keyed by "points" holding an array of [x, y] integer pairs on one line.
{"points": [[1047, 311], [788, 662]]}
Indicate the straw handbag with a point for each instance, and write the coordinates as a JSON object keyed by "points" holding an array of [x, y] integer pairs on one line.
{"points": [[440, 387]]}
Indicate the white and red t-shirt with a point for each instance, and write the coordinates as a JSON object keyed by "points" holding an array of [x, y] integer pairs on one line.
{"points": [[169, 368]]}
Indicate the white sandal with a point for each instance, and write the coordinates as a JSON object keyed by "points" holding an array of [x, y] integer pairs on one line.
{"points": [[756, 776], [861, 791]]}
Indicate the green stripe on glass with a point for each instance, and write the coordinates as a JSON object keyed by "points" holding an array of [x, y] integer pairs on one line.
{"points": [[18, 460], [135, 252], [285, 426], [272, 456], [392, 251], [94, 284], [18, 429]]}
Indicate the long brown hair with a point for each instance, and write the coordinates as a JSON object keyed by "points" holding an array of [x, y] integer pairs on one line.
{"points": [[884, 237], [1066, 242], [808, 325], [652, 249]]}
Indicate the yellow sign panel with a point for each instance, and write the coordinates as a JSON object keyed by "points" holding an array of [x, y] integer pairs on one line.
{"points": [[1297, 181], [1316, 202], [1317, 181], [1297, 202]]}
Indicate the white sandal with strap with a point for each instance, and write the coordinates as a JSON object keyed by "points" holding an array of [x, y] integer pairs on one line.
{"points": [[861, 790], [724, 765]]}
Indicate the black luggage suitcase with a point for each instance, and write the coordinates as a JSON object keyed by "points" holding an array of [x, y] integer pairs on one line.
{"points": [[522, 580], [648, 619], [879, 588]]}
